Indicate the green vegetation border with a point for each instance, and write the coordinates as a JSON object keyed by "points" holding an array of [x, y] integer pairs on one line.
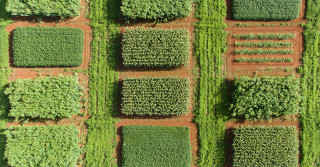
{"points": [[210, 44]]}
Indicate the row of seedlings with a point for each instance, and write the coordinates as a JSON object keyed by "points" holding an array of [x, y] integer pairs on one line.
{"points": [[45, 98], [264, 47], [155, 96]]}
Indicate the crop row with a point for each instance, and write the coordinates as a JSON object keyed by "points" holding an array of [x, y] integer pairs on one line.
{"points": [[42, 145], [47, 46], [160, 9], [155, 96], [265, 146], [64, 8], [146, 146], [267, 44], [265, 98], [265, 36], [266, 9], [47, 97], [263, 60], [154, 47], [262, 52]]}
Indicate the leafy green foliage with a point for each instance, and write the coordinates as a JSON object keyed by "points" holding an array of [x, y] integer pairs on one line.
{"points": [[47, 46], [265, 98], [310, 115], [265, 36], [265, 146], [210, 44], [262, 51], [265, 44], [64, 8], [154, 146], [45, 97], [155, 47], [264, 60], [266, 9], [103, 84], [4, 16], [4, 48], [42, 146], [160, 9], [155, 96]]}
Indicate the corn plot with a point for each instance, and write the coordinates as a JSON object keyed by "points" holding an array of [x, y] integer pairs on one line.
{"points": [[265, 146], [156, 146], [155, 47], [44, 97], [155, 96]]}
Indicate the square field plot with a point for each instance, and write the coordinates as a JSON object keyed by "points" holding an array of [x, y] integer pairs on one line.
{"points": [[265, 146], [159, 9], [65, 8], [265, 98], [45, 97], [155, 96], [155, 47], [266, 9], [47, 47], [42, 146], [156, 146]]}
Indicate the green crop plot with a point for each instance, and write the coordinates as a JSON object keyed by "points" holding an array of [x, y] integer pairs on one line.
{"points": [[47, 46], [155, 146], [265, 146], [155, 47], [155, 96], [64, 8], [45, 97], [160, 9], [264, 98], [42, 146], [266, 9]]}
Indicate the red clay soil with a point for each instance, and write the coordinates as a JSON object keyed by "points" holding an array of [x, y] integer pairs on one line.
{"points": [[24, 73], [182, 72]]}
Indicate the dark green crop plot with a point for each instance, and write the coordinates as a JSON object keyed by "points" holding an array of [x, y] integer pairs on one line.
{"points": [[64, 8], [45, 97], [42, 146], [47, 46], [266, 9], [265, 146], [156, 146], [160, 9], [155, 96], [155, 47], [264, 98]]}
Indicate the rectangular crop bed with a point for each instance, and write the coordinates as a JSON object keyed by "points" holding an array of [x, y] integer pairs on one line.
{"points": [[160, 9], [47, 46], [155, 96], [42, 146], [154, 47], [266, 9], [64, 8], [265, 98], [45, 97], [265, 146], [146, 146]]}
